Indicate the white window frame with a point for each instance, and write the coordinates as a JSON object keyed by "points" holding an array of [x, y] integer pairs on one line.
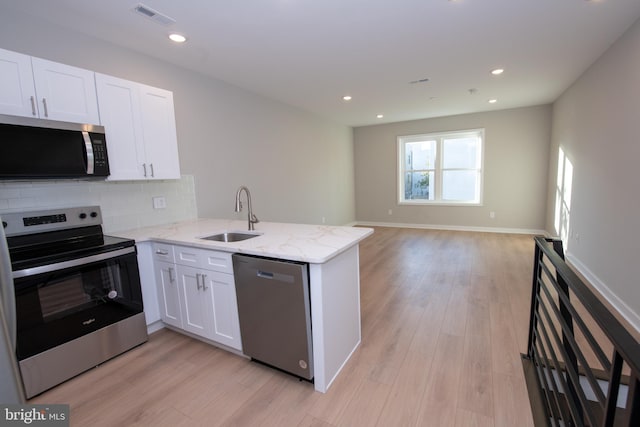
{"points": [[439, 138]]}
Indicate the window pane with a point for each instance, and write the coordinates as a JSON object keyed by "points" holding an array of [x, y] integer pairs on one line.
{"points": [[460, 186], [461, 153], [418, 186], [420, 155]]}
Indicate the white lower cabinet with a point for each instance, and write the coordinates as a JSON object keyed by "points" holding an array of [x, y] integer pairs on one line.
{"points": [[221, 290], [168, 298], [193, 294], [196, 298]]}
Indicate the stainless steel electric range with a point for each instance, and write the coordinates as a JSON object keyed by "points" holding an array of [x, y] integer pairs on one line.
{"points": [[78, 299]]}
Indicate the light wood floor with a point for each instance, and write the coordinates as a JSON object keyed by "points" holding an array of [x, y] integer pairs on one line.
{"points": [[444, 320]]}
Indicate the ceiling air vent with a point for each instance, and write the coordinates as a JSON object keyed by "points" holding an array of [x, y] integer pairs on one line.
{"points": [[154, 15]]}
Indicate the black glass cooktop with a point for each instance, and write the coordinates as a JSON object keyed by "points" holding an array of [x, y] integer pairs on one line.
{"points": [[62, 245]]}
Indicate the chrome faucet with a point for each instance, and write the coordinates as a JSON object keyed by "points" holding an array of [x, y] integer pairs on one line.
{"points": [[251, 217]]}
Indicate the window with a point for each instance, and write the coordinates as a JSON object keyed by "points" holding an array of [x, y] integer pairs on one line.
{"points": [[441, 168]]}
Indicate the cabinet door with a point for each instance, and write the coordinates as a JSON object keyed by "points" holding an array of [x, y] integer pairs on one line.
{"points": [[119, 104], [168, 293], [220, 287], [64, 92], [197, 310], [159, 133], [17, 92]]}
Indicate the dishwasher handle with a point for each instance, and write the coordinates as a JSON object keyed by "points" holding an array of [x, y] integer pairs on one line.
{"points": [[264, 274]]}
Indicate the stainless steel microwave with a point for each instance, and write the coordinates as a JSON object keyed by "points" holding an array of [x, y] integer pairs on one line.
{"points": [[46, 149]]}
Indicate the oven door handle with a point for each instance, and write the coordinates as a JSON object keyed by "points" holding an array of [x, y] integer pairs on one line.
{"points": [[72, 263]]}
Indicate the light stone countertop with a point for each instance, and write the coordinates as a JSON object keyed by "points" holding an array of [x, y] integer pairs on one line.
{"points": [[297, 242]]}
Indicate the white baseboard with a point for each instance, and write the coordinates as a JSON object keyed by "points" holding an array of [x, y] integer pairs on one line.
{"points": [[618, 304], [453, 227], [155, 326]]}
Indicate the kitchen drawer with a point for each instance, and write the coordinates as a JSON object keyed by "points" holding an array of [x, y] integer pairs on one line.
{"points": [[204, 258], [163, 252]]}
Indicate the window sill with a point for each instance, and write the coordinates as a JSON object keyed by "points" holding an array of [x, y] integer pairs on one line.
{"points": [[437, 203]]}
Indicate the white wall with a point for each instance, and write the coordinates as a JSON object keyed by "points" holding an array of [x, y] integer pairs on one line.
{"points": [[596, 123], [515, 172], [298, 166]]}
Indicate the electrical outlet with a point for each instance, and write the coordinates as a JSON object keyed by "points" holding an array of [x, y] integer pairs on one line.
{"points": [[159, 203], [390, 212], [323, 220], [492, 214]]}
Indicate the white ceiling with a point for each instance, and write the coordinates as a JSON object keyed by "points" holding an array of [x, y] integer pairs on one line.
{"points": [[309, 53]]}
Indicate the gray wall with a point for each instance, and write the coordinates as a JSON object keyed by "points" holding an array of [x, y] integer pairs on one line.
{"points": [[596, 123], [298, 166], [515, 172]]}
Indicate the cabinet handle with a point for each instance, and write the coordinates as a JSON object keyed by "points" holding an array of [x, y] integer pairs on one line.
{"points": [[144, 167], [33, 105], [198, 280], [171, 278], [161, 252], [204, 287], [44, 103], [151, 165]]}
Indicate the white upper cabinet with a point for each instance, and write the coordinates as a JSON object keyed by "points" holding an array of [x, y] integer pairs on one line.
{"points": [[35, 87], [159, 133], [64, 92], [139, 121], [119, 103], [17, 91]]}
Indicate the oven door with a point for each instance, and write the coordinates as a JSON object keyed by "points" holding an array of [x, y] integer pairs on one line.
{"points": [[59, 302]]}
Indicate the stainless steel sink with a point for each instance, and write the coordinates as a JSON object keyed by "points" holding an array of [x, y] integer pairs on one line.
{"points": [[232, 236]]}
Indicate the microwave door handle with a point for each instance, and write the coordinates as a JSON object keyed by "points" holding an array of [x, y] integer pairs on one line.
{"points": [[88, 146]]}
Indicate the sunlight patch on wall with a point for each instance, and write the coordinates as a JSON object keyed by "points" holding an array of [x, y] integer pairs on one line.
{"points": [[564, 181]]}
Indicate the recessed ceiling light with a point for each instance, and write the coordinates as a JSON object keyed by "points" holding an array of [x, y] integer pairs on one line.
{"points": [[497, 71], [347, 98], [379, 116], [178, 38], [493, 101]]}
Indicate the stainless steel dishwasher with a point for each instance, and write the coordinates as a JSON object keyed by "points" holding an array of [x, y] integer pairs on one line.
{"points": [[274, 311]]}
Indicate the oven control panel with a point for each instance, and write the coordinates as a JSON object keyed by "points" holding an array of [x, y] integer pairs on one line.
{"points": [[19, 223], [45, 219]]}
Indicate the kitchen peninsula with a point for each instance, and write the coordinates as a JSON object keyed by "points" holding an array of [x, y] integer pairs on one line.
{"points": [[334, 279]]}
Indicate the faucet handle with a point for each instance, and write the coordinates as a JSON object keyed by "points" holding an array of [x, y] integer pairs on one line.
{"points": [[254, 218]]}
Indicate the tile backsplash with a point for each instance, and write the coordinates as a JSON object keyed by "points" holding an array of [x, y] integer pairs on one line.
{"points": [[125, 204]]}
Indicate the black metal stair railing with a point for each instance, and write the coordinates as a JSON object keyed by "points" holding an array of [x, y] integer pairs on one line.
{"points": [[574, 378]]}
